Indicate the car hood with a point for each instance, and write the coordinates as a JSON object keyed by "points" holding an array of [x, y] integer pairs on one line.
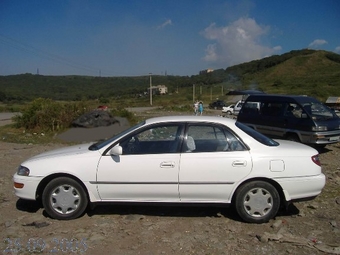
{"points": [[71, 150]]}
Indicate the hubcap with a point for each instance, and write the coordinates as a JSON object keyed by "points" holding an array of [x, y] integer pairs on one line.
{"points": [[258, 202], [65, 199]]}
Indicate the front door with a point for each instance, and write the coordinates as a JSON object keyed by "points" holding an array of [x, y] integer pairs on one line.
{"points": [[147, 170]]}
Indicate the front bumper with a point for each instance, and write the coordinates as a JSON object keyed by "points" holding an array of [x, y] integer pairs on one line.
{"points": [[30, 185]]}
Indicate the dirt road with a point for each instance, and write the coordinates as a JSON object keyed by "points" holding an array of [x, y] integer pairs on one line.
{"points": [[6, 117]]}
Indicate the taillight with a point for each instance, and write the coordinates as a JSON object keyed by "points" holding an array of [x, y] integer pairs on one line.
{"points": [[316, 159]]}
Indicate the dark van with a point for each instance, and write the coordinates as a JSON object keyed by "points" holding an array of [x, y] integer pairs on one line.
{"points": [[297, 118]]}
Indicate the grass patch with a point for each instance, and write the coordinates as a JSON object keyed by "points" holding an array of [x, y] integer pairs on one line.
{"points": [[11, 134]]}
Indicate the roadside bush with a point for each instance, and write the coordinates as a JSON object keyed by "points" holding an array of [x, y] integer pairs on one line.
{"points": [[125, 114], [48, 115]]}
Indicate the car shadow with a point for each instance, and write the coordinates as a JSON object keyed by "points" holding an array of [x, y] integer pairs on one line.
{"points": [[290, 210], [178, 211], [164, 210], [30, 206], [323, 150], [156, 210]]}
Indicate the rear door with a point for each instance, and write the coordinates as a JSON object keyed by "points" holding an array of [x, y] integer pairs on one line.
{"points": [[210, 170]]}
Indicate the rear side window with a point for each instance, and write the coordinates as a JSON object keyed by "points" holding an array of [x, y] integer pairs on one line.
{"points": [[213, 138], [251, 107], [272, 109]]}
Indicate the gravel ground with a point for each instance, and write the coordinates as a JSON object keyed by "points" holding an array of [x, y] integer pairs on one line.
{"points": [[311, 227]]}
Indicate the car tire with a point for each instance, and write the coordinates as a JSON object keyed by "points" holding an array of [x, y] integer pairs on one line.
{"points": [[64, 199], [257, 202], [229, 112], [293, 137]]}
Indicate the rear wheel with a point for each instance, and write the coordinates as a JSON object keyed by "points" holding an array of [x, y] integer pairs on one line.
{"points": [[64, 199], [257, 202]]}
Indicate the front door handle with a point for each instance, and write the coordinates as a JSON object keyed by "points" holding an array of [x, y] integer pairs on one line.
{"points": [[239, 163], [168, 164]]}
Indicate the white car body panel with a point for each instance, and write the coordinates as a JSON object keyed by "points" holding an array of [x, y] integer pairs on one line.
{"points": [[228, 109], [179, 177], [136, 177], [212, 176]]}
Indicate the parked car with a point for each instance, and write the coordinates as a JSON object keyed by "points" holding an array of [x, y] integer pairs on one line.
{"points": [[175, 160], [298, 118], [228, 109], [217, 105]]}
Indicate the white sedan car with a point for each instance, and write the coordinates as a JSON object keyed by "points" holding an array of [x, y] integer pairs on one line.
{"points": [[228, 109], [179, 159]]}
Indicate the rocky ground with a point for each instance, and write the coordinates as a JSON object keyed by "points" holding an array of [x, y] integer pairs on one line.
{"points": [[311, 227]]}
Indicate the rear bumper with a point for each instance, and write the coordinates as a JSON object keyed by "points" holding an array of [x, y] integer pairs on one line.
{"points": [[302, 188]]}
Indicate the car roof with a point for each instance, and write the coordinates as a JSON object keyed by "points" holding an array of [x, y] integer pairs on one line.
{"points": [[191, 118], [298, 98]]}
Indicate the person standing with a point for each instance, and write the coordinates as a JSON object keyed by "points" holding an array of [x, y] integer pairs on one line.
{"points": [[196, 108], [200, 108]]}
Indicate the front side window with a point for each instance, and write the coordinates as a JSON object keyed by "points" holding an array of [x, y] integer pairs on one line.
{"points": [[293, 110], [153, 140], [212, 138]]}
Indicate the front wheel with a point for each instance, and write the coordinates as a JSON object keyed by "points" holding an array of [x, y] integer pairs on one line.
{"points": [[64, 199], [257, 202], [293, 137]]}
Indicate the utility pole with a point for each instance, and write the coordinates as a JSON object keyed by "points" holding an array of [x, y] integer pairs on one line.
{"points": [[150, 89], [193, 92]]}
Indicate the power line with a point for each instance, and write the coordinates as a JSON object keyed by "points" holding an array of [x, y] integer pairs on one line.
{"points": [[47, 55]]}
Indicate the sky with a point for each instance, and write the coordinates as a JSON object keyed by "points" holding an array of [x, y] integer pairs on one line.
{"points": [[162, 37]]}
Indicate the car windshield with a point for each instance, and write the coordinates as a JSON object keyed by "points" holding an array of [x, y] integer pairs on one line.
{"points": [[318, 111], [100, 144], [256, 135]]}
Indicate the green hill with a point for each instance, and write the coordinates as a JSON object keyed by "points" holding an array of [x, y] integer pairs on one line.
{"points": [[315, 73], [310, 72]]}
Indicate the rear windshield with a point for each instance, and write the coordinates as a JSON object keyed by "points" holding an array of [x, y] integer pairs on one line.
{"points": [[256, 135]]}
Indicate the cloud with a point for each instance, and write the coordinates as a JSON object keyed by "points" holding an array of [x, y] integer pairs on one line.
{"points": [[337, 49], [166, 23], [237, 43], [316, 43]]}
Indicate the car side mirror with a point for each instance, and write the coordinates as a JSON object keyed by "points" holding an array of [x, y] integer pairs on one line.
{"points": [[116, 150]]}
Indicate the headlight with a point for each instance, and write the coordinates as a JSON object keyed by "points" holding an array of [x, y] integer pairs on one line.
{"points": [[319, 128], [24, 171]]}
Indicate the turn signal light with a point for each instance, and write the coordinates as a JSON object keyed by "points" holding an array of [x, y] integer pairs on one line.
{"points": [[18, 185]]}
